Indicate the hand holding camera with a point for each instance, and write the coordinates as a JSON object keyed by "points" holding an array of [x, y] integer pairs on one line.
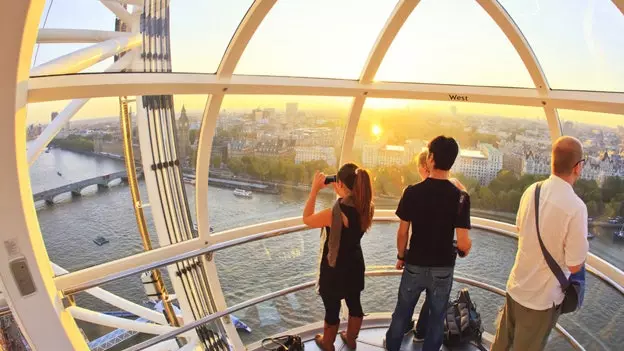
{"points": [[319, 181], [330, 179]]}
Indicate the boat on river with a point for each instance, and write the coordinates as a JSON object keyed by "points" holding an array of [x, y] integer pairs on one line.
{"points": [[100, 240], [243, 193]]}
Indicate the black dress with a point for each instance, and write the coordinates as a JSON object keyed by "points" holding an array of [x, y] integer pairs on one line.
{"points": [[348, 275]]}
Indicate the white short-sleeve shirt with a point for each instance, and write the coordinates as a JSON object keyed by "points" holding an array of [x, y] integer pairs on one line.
{"points": [[563, 226]]}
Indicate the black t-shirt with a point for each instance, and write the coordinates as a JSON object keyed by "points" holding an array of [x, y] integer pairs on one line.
{"points": [[435, 208]]}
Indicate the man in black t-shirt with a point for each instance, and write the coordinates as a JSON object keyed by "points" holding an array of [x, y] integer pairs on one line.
{"points": [[434, 208]]}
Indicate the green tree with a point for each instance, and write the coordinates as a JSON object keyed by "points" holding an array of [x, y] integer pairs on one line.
{"points": [[592, 209], [611, 187], [193, 136], [487, 197], [215, 161], [468, 182]]}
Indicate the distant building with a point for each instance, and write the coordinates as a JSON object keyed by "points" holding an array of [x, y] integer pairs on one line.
{"points": [[239, 148], [413, 147], [534, 163], [313, 153], [292, 110], [114, 147], [482, 164], [183, 137], [279, 147], [269, 114], [374, 155], [513, 163]]}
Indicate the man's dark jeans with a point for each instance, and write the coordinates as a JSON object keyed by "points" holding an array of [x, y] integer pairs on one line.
{"points": [[437, 281], [423, 320]]}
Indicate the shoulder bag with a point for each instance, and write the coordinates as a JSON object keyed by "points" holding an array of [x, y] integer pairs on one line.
{"points": [[574, 287]]}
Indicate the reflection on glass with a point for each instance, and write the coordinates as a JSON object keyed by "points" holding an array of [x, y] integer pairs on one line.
{"points": [[502, 149], [280, 315], [453, 42], [323, 38], [265, 152], [602, 184], [577, 43]]}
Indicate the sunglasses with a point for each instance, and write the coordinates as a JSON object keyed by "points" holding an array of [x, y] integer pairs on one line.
{"points": [[580, 162]]}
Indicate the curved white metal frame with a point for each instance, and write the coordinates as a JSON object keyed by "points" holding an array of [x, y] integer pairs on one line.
{"points": [[21, 238], [254, 16], [392, 27], [21, 235]]}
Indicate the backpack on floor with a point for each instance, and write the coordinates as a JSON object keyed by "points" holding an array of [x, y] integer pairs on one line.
{"points": [[462, 324], [283, 343]]}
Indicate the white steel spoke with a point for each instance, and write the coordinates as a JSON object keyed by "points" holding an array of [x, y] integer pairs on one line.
{"points": [[87, 57], [59, 35], [52, 129]]}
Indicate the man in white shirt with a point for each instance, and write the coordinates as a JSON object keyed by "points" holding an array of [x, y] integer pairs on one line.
{"points": [[533, 293]]}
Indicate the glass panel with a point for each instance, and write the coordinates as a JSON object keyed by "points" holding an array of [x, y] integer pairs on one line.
{"points": [[328, 38], [297, 251], [496, 142], [602, 183], [134, 290], [91, 146], [576, 42], [72, 14], [263, 265], [45, 53], [268, 147], [280, 315], [200, 31], [453, 42], [595, 325]]}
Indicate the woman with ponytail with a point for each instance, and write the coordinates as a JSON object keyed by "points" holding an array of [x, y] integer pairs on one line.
{"points": [[342, 262]]}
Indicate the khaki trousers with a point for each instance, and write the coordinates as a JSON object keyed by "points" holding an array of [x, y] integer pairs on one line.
{"points": [[524, 329]]}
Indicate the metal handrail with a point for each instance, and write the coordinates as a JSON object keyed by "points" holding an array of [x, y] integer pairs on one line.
{"points": [[251, 238], [249, 303], [180, 257]]}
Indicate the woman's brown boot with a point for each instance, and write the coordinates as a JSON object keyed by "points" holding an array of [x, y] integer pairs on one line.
{"points": [[326, 340], [353, 330]]}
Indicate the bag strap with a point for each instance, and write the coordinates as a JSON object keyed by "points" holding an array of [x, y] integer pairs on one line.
{"points": [[552, 264]]}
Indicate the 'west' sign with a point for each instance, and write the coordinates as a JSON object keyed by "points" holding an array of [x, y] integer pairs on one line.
{"points": [[455, 97]]}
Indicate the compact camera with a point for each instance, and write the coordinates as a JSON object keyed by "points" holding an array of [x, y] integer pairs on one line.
{"points": [[330, 179]]}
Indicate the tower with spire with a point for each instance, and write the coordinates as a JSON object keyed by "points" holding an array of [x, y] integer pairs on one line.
{"points": [[183, 137]]}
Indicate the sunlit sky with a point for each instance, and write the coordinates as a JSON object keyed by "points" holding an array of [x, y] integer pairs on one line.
{"points": [[579, 44]]}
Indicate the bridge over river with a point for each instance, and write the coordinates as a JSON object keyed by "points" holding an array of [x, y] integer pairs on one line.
{"points": [[76, 188]]}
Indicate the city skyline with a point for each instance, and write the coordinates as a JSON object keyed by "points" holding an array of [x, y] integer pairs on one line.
{"points": [[374, 108]]}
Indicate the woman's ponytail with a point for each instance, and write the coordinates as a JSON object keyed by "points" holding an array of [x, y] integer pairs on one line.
{"points": [[362, 194]]}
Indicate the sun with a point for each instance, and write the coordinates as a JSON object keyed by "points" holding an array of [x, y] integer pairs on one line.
{"points": [[376, 130]]}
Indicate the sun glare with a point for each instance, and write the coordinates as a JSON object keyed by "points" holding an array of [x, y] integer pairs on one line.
{"points": [[376, 130]]}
